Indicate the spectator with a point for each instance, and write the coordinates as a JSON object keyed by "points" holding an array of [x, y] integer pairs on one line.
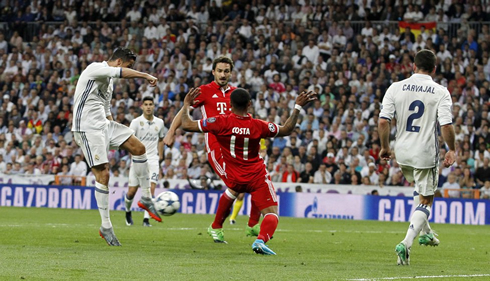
{"points": [[322, 176]]}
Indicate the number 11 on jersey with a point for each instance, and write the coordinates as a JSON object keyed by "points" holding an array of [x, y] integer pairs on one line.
{"points": [[245, 147]]}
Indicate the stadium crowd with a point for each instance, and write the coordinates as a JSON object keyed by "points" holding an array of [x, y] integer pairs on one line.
{"points": [[279, 49]]}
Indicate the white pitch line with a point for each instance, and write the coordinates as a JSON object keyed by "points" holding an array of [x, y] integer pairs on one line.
{"points": [[423, 277]]}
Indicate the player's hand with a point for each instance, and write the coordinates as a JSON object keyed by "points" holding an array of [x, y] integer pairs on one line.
{"points": [[385, 153], [169, 138], [191, 95], [449, 158], [152, 80], [305, 97]]}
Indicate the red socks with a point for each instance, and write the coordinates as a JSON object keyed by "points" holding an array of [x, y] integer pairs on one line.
{"points": [[224, 209], [268, 227], [254, 215]]}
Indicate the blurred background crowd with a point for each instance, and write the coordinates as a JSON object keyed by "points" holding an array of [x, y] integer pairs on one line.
{"points": [[348, 51]]}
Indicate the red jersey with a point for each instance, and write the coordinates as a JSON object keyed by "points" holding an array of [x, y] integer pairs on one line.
{"points": [[213, 102], [239, 140]]}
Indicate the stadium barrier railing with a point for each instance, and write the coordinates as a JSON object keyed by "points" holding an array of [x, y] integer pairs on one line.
{"points": [[462, 193], [70, 180]]}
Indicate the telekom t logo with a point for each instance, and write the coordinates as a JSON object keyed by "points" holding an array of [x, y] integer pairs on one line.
{"points": [[221, 107]]}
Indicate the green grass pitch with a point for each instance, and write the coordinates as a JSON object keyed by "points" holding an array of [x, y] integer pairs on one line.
{"points": [[56, 244]]}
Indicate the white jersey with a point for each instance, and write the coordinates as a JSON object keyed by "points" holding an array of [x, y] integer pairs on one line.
{"points": [[149, 133], [417, 103], [93, 96]]}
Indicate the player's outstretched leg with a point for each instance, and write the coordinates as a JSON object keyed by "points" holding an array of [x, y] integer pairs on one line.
{"points": [[215, 230], [109, 236], [237, 207]]}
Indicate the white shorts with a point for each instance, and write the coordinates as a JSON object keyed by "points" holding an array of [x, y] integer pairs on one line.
{"points": [[154, 168], [95, 145], [426, 180]]}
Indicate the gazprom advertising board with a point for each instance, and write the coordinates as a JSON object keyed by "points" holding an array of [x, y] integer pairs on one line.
{"points": [[301, 205]]}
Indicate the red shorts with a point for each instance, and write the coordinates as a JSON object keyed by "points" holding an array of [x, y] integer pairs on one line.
{"points": [[260, 186], [216, 161], [261, 189]]}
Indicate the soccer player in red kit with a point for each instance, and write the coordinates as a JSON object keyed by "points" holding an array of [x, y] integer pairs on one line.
{"points": [[213, 101], [238, 135]]}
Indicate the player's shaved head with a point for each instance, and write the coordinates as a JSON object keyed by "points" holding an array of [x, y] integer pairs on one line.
{"points": [[240, 99], [425, 60]]}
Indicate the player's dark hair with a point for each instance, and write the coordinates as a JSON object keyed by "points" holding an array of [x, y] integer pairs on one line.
{"points": [[425, 60], [223, 59], [240, 98], [148, 98], [124, 54]]}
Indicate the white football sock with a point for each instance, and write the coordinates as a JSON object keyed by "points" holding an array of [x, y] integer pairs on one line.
{"points": [[146, 215], [140, 166], [102, 198], [128, 203], [426, 228], [419, 219]]}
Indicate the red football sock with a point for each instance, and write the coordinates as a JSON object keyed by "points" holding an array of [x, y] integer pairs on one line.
{"points": [[224, 209], [268, 227], [254, 215]]}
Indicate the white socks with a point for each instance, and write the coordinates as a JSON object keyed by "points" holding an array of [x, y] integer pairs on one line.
{"points": [[426, 227], [128, 203], [419, 219], [102, 197], [140, 166]]}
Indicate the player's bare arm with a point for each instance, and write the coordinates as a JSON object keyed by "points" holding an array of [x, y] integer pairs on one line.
{"points": [[188, 124], [448, 135], [160, 150], [302, 99], [384, 137], [169, 138], [131, 73]]}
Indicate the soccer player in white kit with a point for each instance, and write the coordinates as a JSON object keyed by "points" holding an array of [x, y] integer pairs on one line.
{"points": [[418, 104], [96, 132], [150, 131]]}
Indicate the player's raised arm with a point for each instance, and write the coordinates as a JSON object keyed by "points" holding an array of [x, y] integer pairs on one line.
{"points": [[302, 99], [131, 73], [188, 124], [169, 138]]}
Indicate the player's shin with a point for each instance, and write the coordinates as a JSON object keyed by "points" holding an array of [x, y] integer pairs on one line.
{"points": [[268, 226], [224, 206], [140, 166], [417, 222], [236, 209], [127, 203], [102, 198], [254, 215], [426, 227]]}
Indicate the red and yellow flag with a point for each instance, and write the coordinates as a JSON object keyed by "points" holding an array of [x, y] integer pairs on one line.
{"points": [[415, 27]]}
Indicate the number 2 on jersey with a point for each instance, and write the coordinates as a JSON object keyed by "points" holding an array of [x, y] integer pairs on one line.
{"points": [[419, 105], [245, 147]]}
